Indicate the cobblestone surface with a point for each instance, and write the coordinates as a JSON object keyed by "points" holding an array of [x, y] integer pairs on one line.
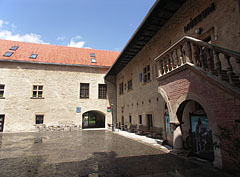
{"points": [[90, 153]]}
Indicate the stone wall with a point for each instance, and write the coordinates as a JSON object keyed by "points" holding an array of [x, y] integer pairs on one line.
{"points": [[61, 95]]}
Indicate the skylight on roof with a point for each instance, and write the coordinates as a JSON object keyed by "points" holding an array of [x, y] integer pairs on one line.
{"points": [[33, 56], [14, 48], [93, 60], [8, 54], [92, 55]]}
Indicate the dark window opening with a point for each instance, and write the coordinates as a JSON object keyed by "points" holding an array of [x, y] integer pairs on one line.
{"points": [[102, 91], [2, 116], [121, 88], [37, 91], [2, 90], [39, 119], [84, 90], [140, 119], [33, 56], [14, 48], [130, 119], [146, 73], [92, 55], [130, 85], [8, 54]]}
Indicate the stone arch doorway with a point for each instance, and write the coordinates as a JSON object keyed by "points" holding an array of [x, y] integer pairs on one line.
{"points": [[93, 119], [195, 128]]}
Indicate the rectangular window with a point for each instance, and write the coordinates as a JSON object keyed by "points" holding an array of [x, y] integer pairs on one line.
{"points": [[130, 119], [121, 88], [149, 119], [130, 85], [2, 90], [39, 119], [146, 74], [14, 48], [8, 54], [93, 60], [33, 56], [84, 90], [37, 91], [92, 55], [2, 116], [140, 119], [102, 91]]}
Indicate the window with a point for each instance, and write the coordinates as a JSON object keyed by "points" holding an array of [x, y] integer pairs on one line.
{"points": [[8, 54], [2, 90], [93, 60], [130, 85], [14, 48], [37, 91], [33, 56], [102, 91], [39, 119], [149, 120], [2, 116], [146, 73], [130, 119], [121, 88], [140, 119], [92, 55], [84, 90]]}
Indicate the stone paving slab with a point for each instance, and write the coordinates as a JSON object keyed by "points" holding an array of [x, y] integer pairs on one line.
{"points": [[92, 153]]}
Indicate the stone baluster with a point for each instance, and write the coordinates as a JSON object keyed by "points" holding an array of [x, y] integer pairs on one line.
{"points": [[229, 69], [169, 62], [188, 52], [218, 64], [177, 58], [172, 61], [194, 54], [202, 58], [209, 61], [161, 70], [181, 58], [238, 65], [165, 66]]}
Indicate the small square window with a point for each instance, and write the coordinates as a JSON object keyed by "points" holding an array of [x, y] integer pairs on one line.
{"points": [[14, 48], [33, 56], [39, 119], [37, 91], [8, 54], [93, 60], [92, 55], [2, 90]]}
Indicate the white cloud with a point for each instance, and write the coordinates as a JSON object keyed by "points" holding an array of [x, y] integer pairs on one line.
{"points": [[61, 38], [75, 42], [8, 34]]}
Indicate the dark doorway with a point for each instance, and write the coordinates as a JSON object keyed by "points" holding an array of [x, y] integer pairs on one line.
{"points": [[149, 121], [1, 122], [93, 119]]}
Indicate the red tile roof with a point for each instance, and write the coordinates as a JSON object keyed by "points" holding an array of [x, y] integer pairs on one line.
{"points": [[56, 54]]}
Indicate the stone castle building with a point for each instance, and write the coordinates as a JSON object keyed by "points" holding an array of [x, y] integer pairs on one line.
{"points": [[53, 87], [178, 74]]}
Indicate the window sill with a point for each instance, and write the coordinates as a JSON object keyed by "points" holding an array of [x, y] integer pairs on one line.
{"points": [[144, 83], [37, 98], [2, 97]]}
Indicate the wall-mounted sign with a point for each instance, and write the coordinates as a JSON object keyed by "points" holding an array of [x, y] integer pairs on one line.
{"points": [[109, 109], [78, 109], [200, 17]]}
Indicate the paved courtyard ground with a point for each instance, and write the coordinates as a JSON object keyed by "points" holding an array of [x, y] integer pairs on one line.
{"points": [[90, 153]]}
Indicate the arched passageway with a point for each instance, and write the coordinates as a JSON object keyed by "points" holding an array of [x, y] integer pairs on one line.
{"points": [[93, 119], [196, 131]]}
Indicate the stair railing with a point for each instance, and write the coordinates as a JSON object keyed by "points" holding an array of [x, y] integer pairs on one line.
{"points": [[200, 54]]}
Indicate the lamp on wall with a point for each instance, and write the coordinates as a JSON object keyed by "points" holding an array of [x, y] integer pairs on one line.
{"points": [[198, 31]]}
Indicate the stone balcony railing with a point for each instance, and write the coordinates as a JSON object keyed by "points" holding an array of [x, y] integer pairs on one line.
{"points": [[200, 54]]}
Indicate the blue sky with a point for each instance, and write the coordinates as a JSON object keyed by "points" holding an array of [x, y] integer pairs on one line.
{"points": [[97, 24]]}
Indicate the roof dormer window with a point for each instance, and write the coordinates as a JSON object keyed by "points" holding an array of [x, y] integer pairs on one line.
{"points": [[14, 48], [8, 54], [33, 56], [92, 55], [93, 60]]}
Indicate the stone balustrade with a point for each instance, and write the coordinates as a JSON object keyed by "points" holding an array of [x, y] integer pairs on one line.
{"points": [[201, 54]]}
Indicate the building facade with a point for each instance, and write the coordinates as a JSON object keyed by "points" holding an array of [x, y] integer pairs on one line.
{"points": [[180, 72], [51, 88]]}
